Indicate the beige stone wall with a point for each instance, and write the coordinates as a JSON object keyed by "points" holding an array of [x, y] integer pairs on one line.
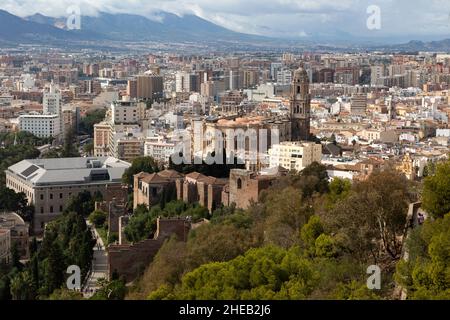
{"points": [[131, 259]]}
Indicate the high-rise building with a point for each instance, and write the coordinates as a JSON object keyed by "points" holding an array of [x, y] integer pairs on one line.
{"points": [[132, 89], [347, 75], [377, 72], [249, 78], [186, 82], [52, 105], [284, 77], [300, 106], [359, 103], [207, 89], [149, 87]]}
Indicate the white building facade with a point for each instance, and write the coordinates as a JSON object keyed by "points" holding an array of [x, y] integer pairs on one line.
{"points": [[41, 125], [295, 155]]}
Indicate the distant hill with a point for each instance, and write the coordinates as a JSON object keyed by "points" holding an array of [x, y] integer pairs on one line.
{"points": [[415, 45], [18, 30], [168, 27]]}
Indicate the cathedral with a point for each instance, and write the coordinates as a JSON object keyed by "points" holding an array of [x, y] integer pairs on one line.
{"points": [[300, 106]]}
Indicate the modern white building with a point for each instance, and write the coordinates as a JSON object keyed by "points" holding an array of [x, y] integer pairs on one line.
{"points": [[185, 82], [284, 77], [160, 150], [295, 155], [52, 104], [175, 120], [41, 125]]}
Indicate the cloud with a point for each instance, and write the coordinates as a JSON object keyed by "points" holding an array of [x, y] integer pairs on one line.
{"points": [[271, 17]]}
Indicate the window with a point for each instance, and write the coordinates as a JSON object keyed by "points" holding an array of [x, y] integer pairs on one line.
{"points": [[42, 197], [51, 209], [42, 209], [60, 208], [51, 196], [239, 183], [60, 195]]}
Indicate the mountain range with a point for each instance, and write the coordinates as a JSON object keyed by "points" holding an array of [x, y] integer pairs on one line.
{"points": [[116, 27], [165, 27]]}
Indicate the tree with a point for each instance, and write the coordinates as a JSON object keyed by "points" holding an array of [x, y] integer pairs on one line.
{"points": [[65, 295], [141, 164], [16, 202], [88, 149], [15, 256], [371, 220], [56, 269], [264, 273], [112, 290], [98, 218], [87, 123], [22, 287], [339, 189], [425, 274], [286, 213], [310, 232], [436, 191], [69, 148], [83, 203]]}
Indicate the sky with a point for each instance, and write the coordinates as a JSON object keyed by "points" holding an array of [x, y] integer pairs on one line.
{"points": [[406, 19]]}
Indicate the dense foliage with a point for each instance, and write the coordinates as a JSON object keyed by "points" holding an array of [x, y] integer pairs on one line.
{"points": [[426, 272], [10, 153], [308, 239], [67, 241], [15, 147], [142, 224], [436, 191], [209, 167], [140, 164], [87, 123]]}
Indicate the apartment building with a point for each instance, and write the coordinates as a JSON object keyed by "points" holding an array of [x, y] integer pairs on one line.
{"points": [[41, 125], [295, 155]]}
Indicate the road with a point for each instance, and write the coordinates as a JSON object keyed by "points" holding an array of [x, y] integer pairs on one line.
{"points": [[99, 265]]}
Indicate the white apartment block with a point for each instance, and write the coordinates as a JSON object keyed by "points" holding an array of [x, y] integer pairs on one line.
{"points": [[295, 155], [41, 125], [52, 104], [159, 150], [123, 112], [284, 77]]}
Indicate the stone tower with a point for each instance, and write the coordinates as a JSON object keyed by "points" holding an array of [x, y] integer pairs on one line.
{"points": [[300, 106]]}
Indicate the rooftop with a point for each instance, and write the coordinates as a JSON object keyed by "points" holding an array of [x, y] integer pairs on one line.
{"points": [[70, 170]]}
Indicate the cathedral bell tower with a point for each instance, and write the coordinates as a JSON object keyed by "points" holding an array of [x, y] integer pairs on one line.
{"points": [[300, 106]]}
